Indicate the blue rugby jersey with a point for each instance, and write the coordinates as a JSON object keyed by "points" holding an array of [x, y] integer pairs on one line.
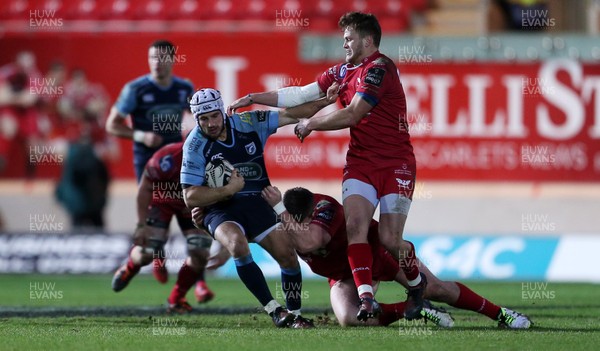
{"points": [[247, 134], [154, 109]]}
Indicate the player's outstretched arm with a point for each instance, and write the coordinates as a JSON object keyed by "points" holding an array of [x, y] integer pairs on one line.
{"points": [[340, 119], [307, 110], [283, 97], [202, 196]]}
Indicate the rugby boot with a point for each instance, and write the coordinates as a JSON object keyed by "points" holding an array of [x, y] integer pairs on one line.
{"points": [[179, 307], [202, 292], [302, 323], [122, 277], [282, 317], [508, 318], [368, 308]]}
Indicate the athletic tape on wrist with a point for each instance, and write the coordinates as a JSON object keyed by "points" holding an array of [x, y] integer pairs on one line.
{"points": [[279, 208], [138, 136]]}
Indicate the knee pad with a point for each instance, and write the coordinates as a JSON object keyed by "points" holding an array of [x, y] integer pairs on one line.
{"points": [[198, 241], [155, 247]]}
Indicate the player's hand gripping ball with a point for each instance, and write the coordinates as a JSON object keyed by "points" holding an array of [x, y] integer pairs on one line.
{"points": [[218, 172]]}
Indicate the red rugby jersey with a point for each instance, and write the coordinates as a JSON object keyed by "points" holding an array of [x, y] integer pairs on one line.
{"points": [[331, 261], [381, 138]]}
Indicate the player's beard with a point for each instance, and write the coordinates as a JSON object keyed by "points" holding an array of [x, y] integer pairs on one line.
{"points": [[354, 57], [218, 135]]}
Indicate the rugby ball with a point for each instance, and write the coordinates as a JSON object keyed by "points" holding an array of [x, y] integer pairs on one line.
{"points": [[218, 172]]}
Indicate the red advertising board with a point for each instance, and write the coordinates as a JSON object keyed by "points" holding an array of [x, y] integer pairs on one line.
{"points": [[469, 121]]}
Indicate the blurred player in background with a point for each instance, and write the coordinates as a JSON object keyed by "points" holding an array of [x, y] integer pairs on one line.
{"points": [[380, 163], [23, 126], [156, 103], [315, 223], [83, 186], [236, 213], [159, 199]]}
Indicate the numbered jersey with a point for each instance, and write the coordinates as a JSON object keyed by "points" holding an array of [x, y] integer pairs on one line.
{"points": [[247, 134], [381, 138]]}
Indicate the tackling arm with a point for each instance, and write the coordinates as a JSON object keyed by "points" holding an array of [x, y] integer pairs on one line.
{"points": [[283, 97], [340, 119], [293, 114]]}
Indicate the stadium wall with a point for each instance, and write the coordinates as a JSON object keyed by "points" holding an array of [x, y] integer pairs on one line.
{"points": [[516, 121], [515, 257]]}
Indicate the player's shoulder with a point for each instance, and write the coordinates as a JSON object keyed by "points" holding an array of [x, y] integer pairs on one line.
{"points": [[247, 119], [171, 149], [381, 61], [194, 141], [322, 200], [183, 82], [325, 208], [138, 82]]}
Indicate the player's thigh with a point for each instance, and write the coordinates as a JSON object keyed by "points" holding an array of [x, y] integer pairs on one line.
{"points": [[395, 187], [158, 221], [279, 245], [360, 201]]}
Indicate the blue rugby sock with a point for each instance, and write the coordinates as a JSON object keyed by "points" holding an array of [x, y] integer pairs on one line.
{"points": [[253, 278], [291, 281]]}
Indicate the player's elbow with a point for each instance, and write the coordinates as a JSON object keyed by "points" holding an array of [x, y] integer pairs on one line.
{"points": [[188, 198], [113, 122]]}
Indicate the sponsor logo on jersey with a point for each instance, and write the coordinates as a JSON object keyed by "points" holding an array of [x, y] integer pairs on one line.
{"points": [[261, 116], [324, 211], [251, 148], [249, 170], [343, 71], [166, 163], [381, 61], [218, 156], [375, 76], [246, 117]]}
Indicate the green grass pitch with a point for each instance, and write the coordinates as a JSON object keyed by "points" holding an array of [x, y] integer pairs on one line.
{"points": [[82, 313]]}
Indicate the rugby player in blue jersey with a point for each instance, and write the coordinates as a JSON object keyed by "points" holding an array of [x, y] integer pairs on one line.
{"points": [[236, 213], [156, 104]]}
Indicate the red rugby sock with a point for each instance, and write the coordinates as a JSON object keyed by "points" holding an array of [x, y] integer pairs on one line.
{"points": [[132, 267], [469, 300], [391, 312], [361, 262], [185, 280]]}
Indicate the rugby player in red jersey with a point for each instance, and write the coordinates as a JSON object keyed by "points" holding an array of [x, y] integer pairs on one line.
{"points": [[315, 223], [159, 199], [380, 163]]}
